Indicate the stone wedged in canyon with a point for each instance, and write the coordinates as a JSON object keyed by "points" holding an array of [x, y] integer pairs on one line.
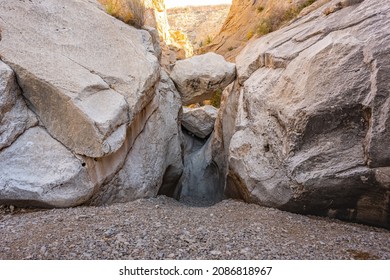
{"points": [[199, 121], [305, 127], [199, 77]]}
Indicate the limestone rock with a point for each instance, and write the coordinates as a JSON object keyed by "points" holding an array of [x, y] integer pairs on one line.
{"points": [[37, 170], [154, 164], [306, 126], [199, 77], [15, 118], [86, 86], [199, 121]]}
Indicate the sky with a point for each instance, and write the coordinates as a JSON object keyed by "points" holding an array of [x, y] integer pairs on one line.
{"points": [[181, 3]]}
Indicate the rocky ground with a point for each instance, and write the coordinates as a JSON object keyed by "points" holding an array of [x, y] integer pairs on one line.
{"points": [[162, 228]]}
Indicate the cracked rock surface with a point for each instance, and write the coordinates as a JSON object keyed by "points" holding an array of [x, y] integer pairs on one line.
{"points": [[99, 103], [306, 125], [95, 71]]}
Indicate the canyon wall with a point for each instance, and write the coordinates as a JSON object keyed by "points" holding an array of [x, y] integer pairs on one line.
{"points": [[305, 127]]}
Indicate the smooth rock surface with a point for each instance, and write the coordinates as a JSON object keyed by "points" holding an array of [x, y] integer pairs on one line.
{"points": [[37, 170], [154, 164], [306, 125], [15, 118], [84, 85], [199, 77], [199, 121], [200, 184]]}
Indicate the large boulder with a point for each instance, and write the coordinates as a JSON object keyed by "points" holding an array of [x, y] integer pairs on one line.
{"points": [[94, 84], [199, 121], [306, 126], [37, 170], [154, 164], [86, 74], [199, 77]]}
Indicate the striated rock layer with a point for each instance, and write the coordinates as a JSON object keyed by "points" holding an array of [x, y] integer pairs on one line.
{"points": [[305, 127], [95, 85]]}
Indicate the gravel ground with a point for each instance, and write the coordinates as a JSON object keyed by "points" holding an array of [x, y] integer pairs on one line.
{"points": [[162, 228]]}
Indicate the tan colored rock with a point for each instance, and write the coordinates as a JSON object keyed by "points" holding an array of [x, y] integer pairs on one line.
{"points": [[307, 121], [86, 86], [200, 23], [199, 121], [37, 170], [199, 77]]}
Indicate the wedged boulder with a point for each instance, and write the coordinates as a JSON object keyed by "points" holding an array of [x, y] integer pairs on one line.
{"points": [[199, 77], [199, 121], [37, 170], [154, 164], [84, 73], [306, 126], [15, 118]]}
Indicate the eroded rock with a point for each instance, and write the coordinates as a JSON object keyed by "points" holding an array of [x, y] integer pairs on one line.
{"points": [[155, 161], [306, 126], [199, 121], [37, 170], [86, 86], [200, 184], [199, 77], [15, 118]]}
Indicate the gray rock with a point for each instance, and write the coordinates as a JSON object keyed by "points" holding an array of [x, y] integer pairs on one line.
{"points": [[200, 183], [199, 121], [37, 170], [306, 126], [85, 86], [154, 164], [199, 77], [15, 118]]}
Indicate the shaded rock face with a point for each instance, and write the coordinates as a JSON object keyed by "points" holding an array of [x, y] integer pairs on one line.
{"points": [[154, 164], [199, 121], [103, 105], [200, 184], [199, 77], [305, 127]]}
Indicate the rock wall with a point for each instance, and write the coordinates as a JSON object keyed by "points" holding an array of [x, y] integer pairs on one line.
{"points": [[200, 23], [242, 22], [305, 127], [96, 88]]}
